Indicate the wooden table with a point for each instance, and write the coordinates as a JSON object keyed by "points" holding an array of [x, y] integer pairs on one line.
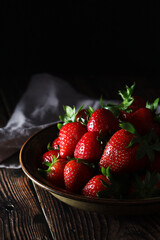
{"points": [[29, 212]]}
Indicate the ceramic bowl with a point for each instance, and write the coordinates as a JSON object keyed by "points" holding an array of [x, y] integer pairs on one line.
{"points": [[30, 155]]}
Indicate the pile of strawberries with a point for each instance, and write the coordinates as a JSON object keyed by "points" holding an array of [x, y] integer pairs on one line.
{"points": [[112, 152]]}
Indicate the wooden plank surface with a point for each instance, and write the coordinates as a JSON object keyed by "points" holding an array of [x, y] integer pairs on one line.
{"points": [[20, 213], [68, 223]]}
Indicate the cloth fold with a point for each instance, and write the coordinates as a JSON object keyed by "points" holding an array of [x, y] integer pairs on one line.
{"points": [[41, 105]]}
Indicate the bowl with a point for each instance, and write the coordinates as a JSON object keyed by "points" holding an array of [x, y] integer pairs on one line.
{"points": [[29, 157]]}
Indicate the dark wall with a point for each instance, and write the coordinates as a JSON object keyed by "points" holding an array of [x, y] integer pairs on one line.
{"points": [[81, 39]]}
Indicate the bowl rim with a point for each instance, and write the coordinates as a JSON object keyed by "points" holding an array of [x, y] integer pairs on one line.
{"points": [[78, 197]]}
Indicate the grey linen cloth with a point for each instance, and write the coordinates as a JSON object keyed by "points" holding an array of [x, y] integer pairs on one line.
{"points": [[41, 105]]}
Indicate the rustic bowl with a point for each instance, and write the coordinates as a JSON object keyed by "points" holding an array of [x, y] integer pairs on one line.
{"points": [[29, 157]]}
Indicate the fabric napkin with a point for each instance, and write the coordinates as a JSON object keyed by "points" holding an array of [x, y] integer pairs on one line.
{"points": [[41, 105]]}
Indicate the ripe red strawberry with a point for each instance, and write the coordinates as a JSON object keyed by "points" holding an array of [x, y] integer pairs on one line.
{"points": [[69, 136], [82, 116], [55, 174], [128, 105], [138, 102], [76, 175], [89, 147], [142, 120], [55, 143], [102, 120], [120, 157], [48, 156], [95, 185]]}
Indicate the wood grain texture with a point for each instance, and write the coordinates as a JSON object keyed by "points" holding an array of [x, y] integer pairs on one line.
{"points": [[68, 223], [20, 213]]}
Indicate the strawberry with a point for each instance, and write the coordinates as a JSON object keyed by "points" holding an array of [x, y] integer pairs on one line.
{"points": [[128, 105], [89, 147], [138, 102], [54, 171], [102, 120], [142, 120], [76, 175], [128, 151], [48, 156], [55, 143], [95, 185], [119, 155], [82, 116], [69, 135], [73, 115]]}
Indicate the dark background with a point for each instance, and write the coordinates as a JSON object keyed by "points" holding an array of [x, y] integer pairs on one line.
{"points": [[98, 48]]}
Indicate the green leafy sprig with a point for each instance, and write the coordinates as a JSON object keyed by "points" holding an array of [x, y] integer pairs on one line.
{"points": [[127, 100], [147, 186], [71, 114]]}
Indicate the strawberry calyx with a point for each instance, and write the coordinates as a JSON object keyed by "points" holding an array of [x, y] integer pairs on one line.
{"points": [[153, 107], [146, 185], [49, 147], [127, 100], [71, 115], [49, 165], [127, 97]]}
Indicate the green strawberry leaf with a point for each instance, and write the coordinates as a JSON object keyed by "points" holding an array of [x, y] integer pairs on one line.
{"points": [[70, 114], [128, 93], [101, 102], [153, 107], [49, 146], [127, 100], [49, 165], [149, 143], [127, 97], [91, 110], [147, 186], [106, 172], [128, 127], [59, 125], [114, 108]]}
